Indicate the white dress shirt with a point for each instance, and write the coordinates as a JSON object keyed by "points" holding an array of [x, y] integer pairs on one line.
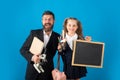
{"points": [[46, 38]]}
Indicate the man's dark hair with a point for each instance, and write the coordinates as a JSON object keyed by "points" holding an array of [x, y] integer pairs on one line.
{"points": [[49, 13]]}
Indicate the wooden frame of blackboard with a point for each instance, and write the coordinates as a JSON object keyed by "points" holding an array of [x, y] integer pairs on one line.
{"points": [[88, 54]]}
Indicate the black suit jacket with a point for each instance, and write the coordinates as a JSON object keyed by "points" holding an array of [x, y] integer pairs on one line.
{"points": [[31, 73]]}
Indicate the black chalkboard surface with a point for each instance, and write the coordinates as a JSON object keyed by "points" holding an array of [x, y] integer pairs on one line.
{"points": [[88, 53]]}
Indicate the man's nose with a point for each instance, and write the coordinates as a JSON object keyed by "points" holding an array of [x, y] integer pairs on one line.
{"points": [[47, 21]]}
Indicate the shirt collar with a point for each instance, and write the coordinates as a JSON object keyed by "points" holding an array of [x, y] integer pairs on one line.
{"points": [[46, 34]]}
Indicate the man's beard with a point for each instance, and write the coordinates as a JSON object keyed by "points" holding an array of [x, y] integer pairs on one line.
{"points": [[48, 29]]}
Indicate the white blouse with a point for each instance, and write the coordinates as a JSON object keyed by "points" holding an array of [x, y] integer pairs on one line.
{"points": [[70, 39]]}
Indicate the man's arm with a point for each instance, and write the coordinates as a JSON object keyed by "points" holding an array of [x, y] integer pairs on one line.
{"points": [[25, 48]]}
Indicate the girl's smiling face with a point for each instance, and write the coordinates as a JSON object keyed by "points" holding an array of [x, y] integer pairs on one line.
{"points": [[71, 26]]}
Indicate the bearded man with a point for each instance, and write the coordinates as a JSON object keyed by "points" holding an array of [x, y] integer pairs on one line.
{"points": [[50, 39]]}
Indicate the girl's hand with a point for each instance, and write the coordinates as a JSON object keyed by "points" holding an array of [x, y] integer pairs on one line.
{"points": [[63, 40], [59, 47], [88, 38]]}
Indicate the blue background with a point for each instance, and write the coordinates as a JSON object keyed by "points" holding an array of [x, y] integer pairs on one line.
{"points": [[100, 19]]}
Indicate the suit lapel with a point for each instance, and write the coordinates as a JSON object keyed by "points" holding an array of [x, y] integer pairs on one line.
{"points": [[40, 35]]}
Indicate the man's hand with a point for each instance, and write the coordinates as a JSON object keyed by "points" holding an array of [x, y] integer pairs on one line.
{"points": [[35, 58]]}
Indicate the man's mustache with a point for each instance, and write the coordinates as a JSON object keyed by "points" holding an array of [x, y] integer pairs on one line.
{"points": [[47, 24]]}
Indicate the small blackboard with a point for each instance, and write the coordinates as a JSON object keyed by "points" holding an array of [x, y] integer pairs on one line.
{"points": [[88, 54]]}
